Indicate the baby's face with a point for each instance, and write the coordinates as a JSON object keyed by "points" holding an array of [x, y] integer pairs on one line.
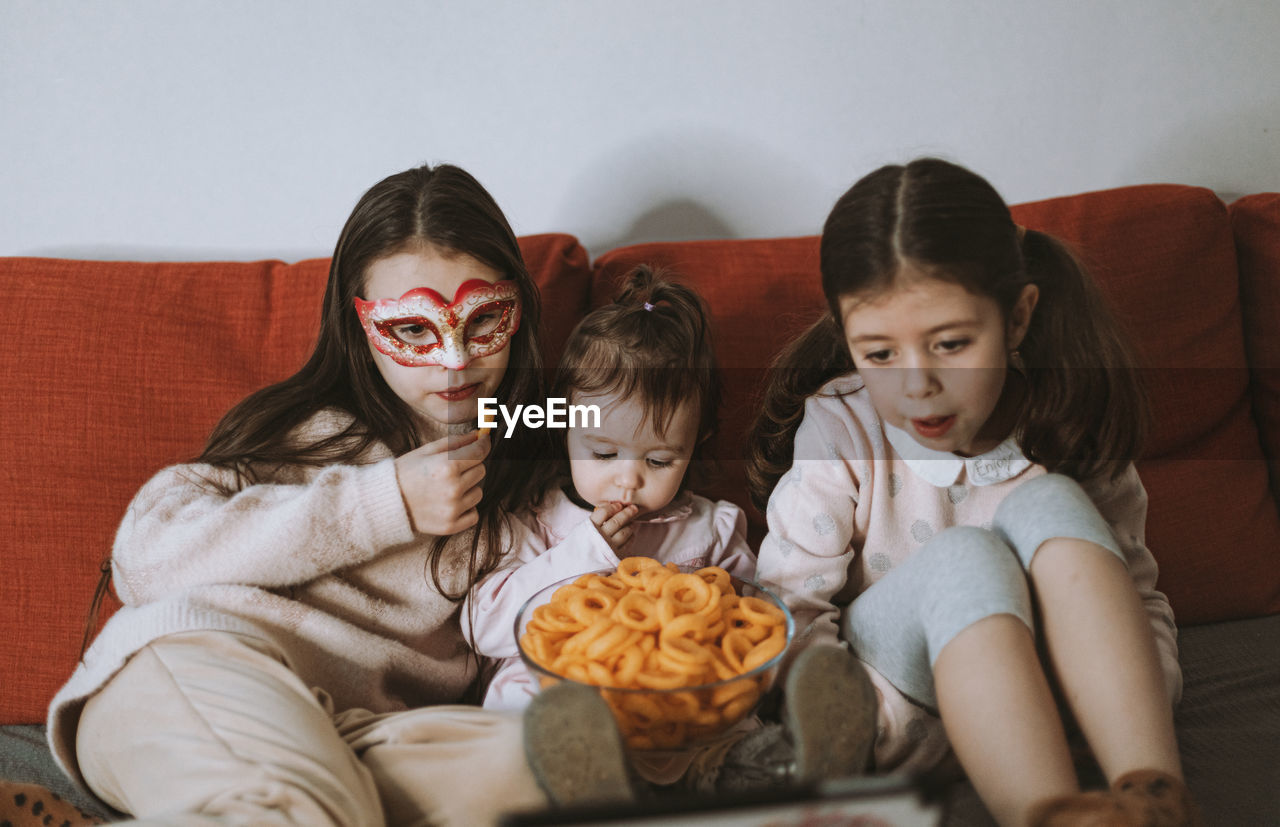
{"points": [[625, 459]]}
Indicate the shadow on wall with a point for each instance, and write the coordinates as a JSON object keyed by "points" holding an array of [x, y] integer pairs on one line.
{"points": [[696, 184], [681, 219]]}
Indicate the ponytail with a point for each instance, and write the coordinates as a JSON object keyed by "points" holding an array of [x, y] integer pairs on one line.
{"points": [[804, 365], [653, 342], [1086, 413]]}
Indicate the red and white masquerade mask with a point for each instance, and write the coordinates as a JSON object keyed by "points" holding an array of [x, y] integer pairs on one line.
{"points": [[420, 328]]}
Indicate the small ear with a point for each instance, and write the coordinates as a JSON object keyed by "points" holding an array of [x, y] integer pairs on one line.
{"points": [[1020, 316]]}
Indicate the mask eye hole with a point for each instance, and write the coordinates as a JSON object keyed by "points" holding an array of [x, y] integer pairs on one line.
{"points": [[487, 320], [413, 332], [418, 332]]}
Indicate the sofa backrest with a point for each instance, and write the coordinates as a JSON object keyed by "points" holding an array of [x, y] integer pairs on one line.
{"points": [[1165, 256], [116, 369], [1255, 220]]}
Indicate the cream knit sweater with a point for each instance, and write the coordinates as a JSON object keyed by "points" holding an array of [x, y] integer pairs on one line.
{"points": [[323, 562]]}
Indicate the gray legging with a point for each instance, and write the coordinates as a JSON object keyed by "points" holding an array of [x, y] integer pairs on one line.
{"points": [[961, 575]]}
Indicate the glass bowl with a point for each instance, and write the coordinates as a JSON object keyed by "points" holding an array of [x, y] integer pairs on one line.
{"points": [[676, 670]]}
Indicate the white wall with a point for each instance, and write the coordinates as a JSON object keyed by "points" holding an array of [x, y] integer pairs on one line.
{"points": [[160, 129]]}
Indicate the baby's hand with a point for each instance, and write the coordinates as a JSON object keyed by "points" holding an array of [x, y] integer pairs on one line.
{"points": [[440, 482], [614, 522]]}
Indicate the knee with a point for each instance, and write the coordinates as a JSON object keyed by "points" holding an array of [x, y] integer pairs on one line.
{"points": [[1040, 495], [965, 562], [979, 577], [1048, 507]]}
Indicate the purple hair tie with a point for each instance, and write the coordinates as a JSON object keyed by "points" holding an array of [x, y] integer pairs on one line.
{"points": [[648, 306]]}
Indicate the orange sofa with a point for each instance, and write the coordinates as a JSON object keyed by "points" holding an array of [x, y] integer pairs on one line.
{"points": [[116, 369]]}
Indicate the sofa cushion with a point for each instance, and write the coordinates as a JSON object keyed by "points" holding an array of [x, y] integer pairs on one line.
{"points": [[1228, 726], [1165, 258], [1256, 221], [25, 761], [116, 369]]}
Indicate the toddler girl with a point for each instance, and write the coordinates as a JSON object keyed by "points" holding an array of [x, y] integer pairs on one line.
{"points": [[289, 637], [618, 488], [646, 361], [945, 462]]}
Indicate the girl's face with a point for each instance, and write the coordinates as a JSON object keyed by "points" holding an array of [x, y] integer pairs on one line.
{"points": [[934, 358], [626, 460], [440, 396]]}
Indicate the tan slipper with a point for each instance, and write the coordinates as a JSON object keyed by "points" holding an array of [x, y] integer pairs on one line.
{"points": [[573, 746], [1162, 799], [829, 711]]}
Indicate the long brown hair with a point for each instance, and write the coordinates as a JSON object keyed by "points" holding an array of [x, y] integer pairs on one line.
{"points": [[1084, 413], [443, 206]]}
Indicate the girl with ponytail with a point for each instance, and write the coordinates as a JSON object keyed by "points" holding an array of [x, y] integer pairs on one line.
{"points": [[945, 460], [615, 487]]}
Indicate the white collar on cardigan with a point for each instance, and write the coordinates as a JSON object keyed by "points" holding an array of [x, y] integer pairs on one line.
{"points": [[941, 469]]}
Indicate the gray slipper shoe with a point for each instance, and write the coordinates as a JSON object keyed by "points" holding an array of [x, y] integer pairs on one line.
{"points": [[829, 711], [573, 746]]}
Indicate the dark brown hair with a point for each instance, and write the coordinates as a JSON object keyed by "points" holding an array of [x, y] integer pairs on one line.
{"points": [[1084, 413], [442, 206], [653, 341]]}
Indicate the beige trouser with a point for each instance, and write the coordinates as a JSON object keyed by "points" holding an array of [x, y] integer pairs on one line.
{"points": [[212, 728]]}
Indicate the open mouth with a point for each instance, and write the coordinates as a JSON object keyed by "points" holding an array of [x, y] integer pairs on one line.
{"points": [[933, 427], [458, 394]]}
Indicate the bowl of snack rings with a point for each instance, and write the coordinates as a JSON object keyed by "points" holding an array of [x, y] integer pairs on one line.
{"points": [[679, 654]]}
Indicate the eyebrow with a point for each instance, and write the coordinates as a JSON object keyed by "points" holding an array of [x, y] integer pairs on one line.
{"points": [[875, 337]]}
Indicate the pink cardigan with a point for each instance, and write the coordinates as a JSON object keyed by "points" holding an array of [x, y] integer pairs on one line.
{"points": [[860, 498]]}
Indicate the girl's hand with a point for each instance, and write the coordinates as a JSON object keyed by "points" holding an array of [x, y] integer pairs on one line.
{"points": [[440, 482], [614, 523]]}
